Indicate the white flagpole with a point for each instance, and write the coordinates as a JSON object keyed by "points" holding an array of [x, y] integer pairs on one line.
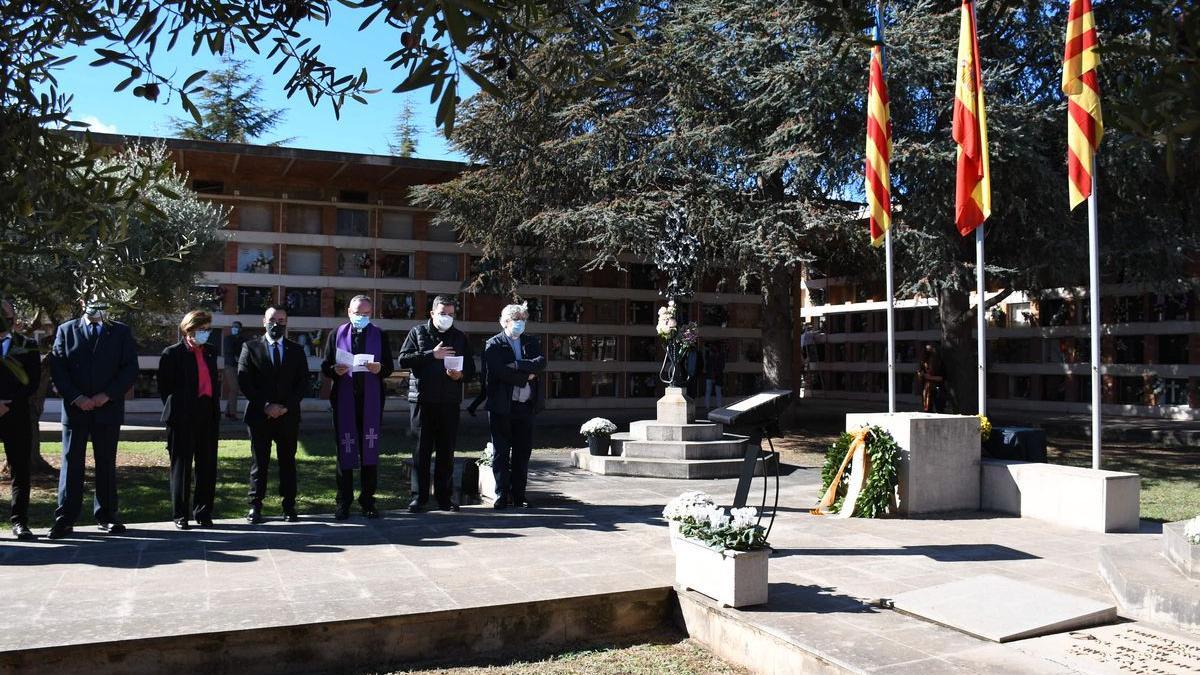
{"points": [[1094, 303], [891, 325], [981, 321]]}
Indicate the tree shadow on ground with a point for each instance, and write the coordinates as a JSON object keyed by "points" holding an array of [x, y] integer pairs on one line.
{"points": [[939, 553]]}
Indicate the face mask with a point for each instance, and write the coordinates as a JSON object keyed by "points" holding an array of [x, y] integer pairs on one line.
{"points": [[276, 330], [234, 330], [517, 328], [201, 336], [360, 322], [442, 322]]}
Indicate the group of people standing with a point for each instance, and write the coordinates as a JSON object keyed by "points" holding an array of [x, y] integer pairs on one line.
{"points": [[94, 364]]}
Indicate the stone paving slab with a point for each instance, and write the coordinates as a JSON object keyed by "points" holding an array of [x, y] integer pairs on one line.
{"points": [[591, 534]]}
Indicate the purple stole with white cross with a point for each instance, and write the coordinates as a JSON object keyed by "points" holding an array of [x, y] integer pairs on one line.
{"points": [[348, 438]]}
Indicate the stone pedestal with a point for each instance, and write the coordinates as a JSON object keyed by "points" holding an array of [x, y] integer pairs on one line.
{"points": [[675, 407], [1182, 553], [939, 459]]}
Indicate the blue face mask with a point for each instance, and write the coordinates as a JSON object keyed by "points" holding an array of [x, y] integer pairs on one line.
{"points": [[360, 322], [201, 336], [234, 330], [518, 327]]}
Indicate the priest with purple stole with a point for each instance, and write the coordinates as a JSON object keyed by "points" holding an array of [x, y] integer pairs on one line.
{"points": [[358, 360]]}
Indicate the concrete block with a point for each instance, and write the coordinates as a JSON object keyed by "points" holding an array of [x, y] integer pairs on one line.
{"points": [[675, 407], [732, 578], [683, 469], [1148, 587], [1002, 609], [727, 448], [1182, 553], [653, 430], [1086, 499], [939, 459]]}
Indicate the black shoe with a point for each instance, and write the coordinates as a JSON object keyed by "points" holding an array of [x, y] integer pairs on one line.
{"points": [[22, 532], [60, 531], [111, 528], [500, 504], [254, 516], [416, 505], [448, 506], [204, 522], [342, 513], [522, 503], [370, 512], [290, 517], [182, 524]]}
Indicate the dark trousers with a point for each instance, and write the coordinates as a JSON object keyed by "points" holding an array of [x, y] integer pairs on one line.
{"points": [[512, 440], [194, 442], [74, 458], [345, 486], [439, 429], [14, 432], [283, 434]]}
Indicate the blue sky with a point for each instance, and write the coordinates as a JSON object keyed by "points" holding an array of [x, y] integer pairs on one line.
{"points": [[362, 128]]}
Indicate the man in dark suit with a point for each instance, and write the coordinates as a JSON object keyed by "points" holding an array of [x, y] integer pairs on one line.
{"points": [[439, 394], [20, 373], [273, 374], [513, 362], [93, 364], [357, 399]]}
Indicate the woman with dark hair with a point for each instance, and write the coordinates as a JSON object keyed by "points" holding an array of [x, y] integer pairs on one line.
{"points": [[931, 377], [187, 382]]}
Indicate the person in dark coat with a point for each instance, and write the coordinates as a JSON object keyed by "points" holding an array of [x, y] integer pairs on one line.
{"points": [[20, 373], [357, 399], [514, 363], [93, 364], [187, 385], [439, 395], [273, 373], [231, 350]]}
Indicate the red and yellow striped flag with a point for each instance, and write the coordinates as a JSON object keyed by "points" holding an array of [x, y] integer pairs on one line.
{"points": [[1085, 124], [973, 184], [879, 145]]}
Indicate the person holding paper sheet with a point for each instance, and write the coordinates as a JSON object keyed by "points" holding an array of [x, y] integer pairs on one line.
{"points": [[357, 398], [438, 357]]}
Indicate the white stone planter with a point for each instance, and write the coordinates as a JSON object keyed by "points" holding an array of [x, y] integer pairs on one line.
{"points": [[673, 525], [487, 485], [732, 578]]}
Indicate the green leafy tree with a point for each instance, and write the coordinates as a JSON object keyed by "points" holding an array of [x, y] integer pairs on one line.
{"points": [[231, 108], [404, 135]]}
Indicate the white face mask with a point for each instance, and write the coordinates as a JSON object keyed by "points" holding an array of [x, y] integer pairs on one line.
{"points": [[442, 322]]}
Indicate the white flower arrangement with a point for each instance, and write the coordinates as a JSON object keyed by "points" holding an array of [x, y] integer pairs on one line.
{"points": [[1191, 531], [598, 426], [701, 519], [488, 456], [667, 324]]}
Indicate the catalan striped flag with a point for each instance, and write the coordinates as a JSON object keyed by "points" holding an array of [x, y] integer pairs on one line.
{"points": [[1085, 124], [879, 142], [973, 184]]}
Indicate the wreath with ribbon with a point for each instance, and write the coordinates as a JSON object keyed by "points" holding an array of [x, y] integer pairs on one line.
{"points": [[881, 455]]}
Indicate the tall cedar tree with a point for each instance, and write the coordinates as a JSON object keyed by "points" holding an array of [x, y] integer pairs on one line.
{"points": [[750, 115], [404, 135]]}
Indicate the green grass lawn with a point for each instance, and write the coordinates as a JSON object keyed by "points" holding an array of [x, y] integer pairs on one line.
{"points": [[143, 477]]}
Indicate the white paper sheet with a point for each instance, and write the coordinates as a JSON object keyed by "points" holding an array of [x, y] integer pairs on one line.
{"points": [[453, 362], [361, 361], [344, 358]]}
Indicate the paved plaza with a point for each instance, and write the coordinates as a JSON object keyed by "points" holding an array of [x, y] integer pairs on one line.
{"points": [[592, 534]]}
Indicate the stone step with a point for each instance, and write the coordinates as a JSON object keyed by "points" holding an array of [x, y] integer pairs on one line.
{"points": [[653, 430], [729, 447], [1148, 587], [683, 469]]}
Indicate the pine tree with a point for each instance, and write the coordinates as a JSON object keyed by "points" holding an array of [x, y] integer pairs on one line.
{"points": [[231, 108], [404, 135]]}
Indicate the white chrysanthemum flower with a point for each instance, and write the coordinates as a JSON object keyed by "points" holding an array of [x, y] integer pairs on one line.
{"points": [[744, 518], [687, 505]]}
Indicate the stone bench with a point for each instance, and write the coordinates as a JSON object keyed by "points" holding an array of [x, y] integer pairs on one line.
{"points": [[1086, 499]]}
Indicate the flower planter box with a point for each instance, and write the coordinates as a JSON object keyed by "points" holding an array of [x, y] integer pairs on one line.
{"points": [[732, 578], [675, 536], [487, 485]]}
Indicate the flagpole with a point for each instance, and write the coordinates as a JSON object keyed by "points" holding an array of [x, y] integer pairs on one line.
{"points": [[981, 321], [887, 244], [1094, 304]]}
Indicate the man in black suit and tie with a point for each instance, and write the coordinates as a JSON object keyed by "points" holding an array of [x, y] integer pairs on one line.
{"points": [[512, 364], [273, 374], [93, 364], [20, 373]]}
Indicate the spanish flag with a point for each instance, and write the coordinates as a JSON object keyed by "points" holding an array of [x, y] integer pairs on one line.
{"points": [[1085, 124], [879, 143], [973, 185]]}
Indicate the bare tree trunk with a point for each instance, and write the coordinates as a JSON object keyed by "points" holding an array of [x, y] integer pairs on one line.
{"points": [[777, 329], [958, 349]]}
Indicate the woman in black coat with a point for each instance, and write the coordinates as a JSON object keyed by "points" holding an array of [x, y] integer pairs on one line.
{"points": [[187, 384]]}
